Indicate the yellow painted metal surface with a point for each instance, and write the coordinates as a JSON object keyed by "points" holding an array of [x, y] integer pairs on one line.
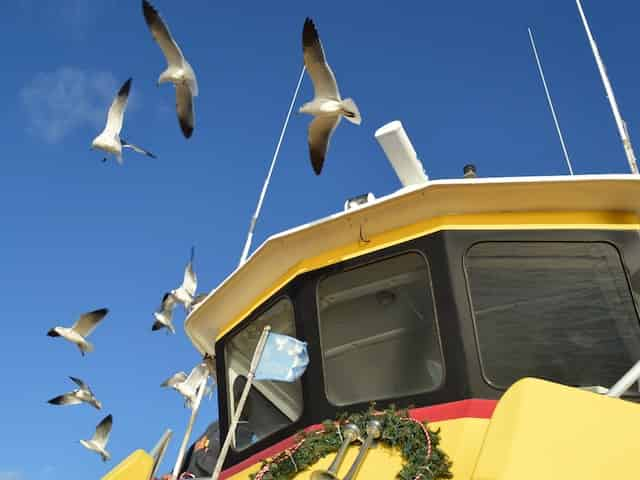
{"points": [[544, 430], [461, 439], [136, 466], [596, 220]]}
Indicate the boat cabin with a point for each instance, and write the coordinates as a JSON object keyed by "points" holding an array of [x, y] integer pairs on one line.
{"points": [[438, 297]]}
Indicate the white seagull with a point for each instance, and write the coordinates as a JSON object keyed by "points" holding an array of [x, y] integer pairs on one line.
{"points": [[81, 329], [81, 394], [186, 293], [178, 71], [109, 140], [98, 442], [187, 386], [164, 315], [327, 106]]}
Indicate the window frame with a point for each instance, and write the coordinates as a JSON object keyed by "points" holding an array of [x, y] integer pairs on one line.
{"points": [[363, 262], [529, 236], [222, 345]]}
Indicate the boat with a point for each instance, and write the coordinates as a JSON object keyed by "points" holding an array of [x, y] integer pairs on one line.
{"points": [[497, 309]]}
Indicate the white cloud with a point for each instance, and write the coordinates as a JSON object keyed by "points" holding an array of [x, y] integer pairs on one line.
{"points": [[59, 102]]}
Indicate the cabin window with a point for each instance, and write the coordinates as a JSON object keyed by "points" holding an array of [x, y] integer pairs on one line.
{"points": [[270, 405], [558, 311], [378, 331]]}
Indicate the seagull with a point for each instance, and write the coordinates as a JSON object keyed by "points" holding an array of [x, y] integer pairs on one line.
{"points": [[164, 315], [327, 106], [178, 71], [98, 442], [109, 140], [186, 293], [81, 329], [187, 386], [79, 395]]}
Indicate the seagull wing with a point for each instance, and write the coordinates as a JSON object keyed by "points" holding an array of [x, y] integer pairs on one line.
{"points": [[89, 321], [66, 399], [320, 131], [115, 117], [80, 383], [190, 280], [103, 430], [324, 82], [168, 302], [196, 376], [175, 379], [135, 148], [162, 35], [184, 108]]}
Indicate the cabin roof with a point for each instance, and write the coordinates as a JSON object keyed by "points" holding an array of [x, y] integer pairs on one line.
{"points": [[586, 201]]}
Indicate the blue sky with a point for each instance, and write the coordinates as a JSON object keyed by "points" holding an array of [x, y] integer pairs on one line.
{"points": [[78, 234]]}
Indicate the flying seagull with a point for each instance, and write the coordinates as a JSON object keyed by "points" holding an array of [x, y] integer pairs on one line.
{"points": [[81, 329], [98, 442], [178, 71], [187, 386], [81, 394], [164, 315], [109, 140], [327, 106], [186, 293]]}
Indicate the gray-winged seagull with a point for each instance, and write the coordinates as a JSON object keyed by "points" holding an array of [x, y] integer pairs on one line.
{"points": [[81, 394], [109, 140], [327, 106], [98, 442], [81, 329], [164, 315], [187, 386], [178, 71], [186, 293]]}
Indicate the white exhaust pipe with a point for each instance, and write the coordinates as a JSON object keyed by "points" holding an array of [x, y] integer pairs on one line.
{"points": [[401, 154]]}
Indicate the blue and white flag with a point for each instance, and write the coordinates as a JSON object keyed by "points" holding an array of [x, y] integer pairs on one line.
{"points": [[284, 358]]}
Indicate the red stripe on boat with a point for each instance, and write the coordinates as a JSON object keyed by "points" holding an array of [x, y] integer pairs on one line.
{"points": [[472, 408]]}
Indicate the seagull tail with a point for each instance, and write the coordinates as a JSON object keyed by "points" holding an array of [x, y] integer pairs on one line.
{"points": [[350, 111]]}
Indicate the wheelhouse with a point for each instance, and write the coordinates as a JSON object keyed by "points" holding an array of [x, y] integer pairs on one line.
{"points": [[436, 295]]}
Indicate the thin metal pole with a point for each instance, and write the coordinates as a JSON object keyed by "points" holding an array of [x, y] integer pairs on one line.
{"points": [[187, 434], [254, 219], [257, 355], [553, 110], [620, 123], [625, 382]]}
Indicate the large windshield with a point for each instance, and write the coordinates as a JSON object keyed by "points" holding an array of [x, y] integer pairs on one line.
{"points": [[270, 405], [559, 311]]}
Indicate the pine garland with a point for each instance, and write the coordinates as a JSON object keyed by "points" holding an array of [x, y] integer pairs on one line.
{"points": [[424, 460]]}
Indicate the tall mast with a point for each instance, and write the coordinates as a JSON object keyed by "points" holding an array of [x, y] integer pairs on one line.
{"points": [[553, 111], [620, 123]]}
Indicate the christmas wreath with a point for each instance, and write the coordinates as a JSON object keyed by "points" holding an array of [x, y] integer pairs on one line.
{"points": [[424, 460]]}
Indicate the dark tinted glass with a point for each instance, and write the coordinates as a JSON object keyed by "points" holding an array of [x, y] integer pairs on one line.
{"points": [[559, 311], [378, 331]]}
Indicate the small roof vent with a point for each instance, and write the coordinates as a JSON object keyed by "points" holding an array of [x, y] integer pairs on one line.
{"points": [[358, 201], [469, 171], [401, 154]]}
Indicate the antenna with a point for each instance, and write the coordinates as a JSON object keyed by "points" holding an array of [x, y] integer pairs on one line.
{"points": [[553, 110], [254, 219], [620, 123]]}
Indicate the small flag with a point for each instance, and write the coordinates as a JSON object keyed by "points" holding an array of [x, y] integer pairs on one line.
{"points": [[284, 358]]}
